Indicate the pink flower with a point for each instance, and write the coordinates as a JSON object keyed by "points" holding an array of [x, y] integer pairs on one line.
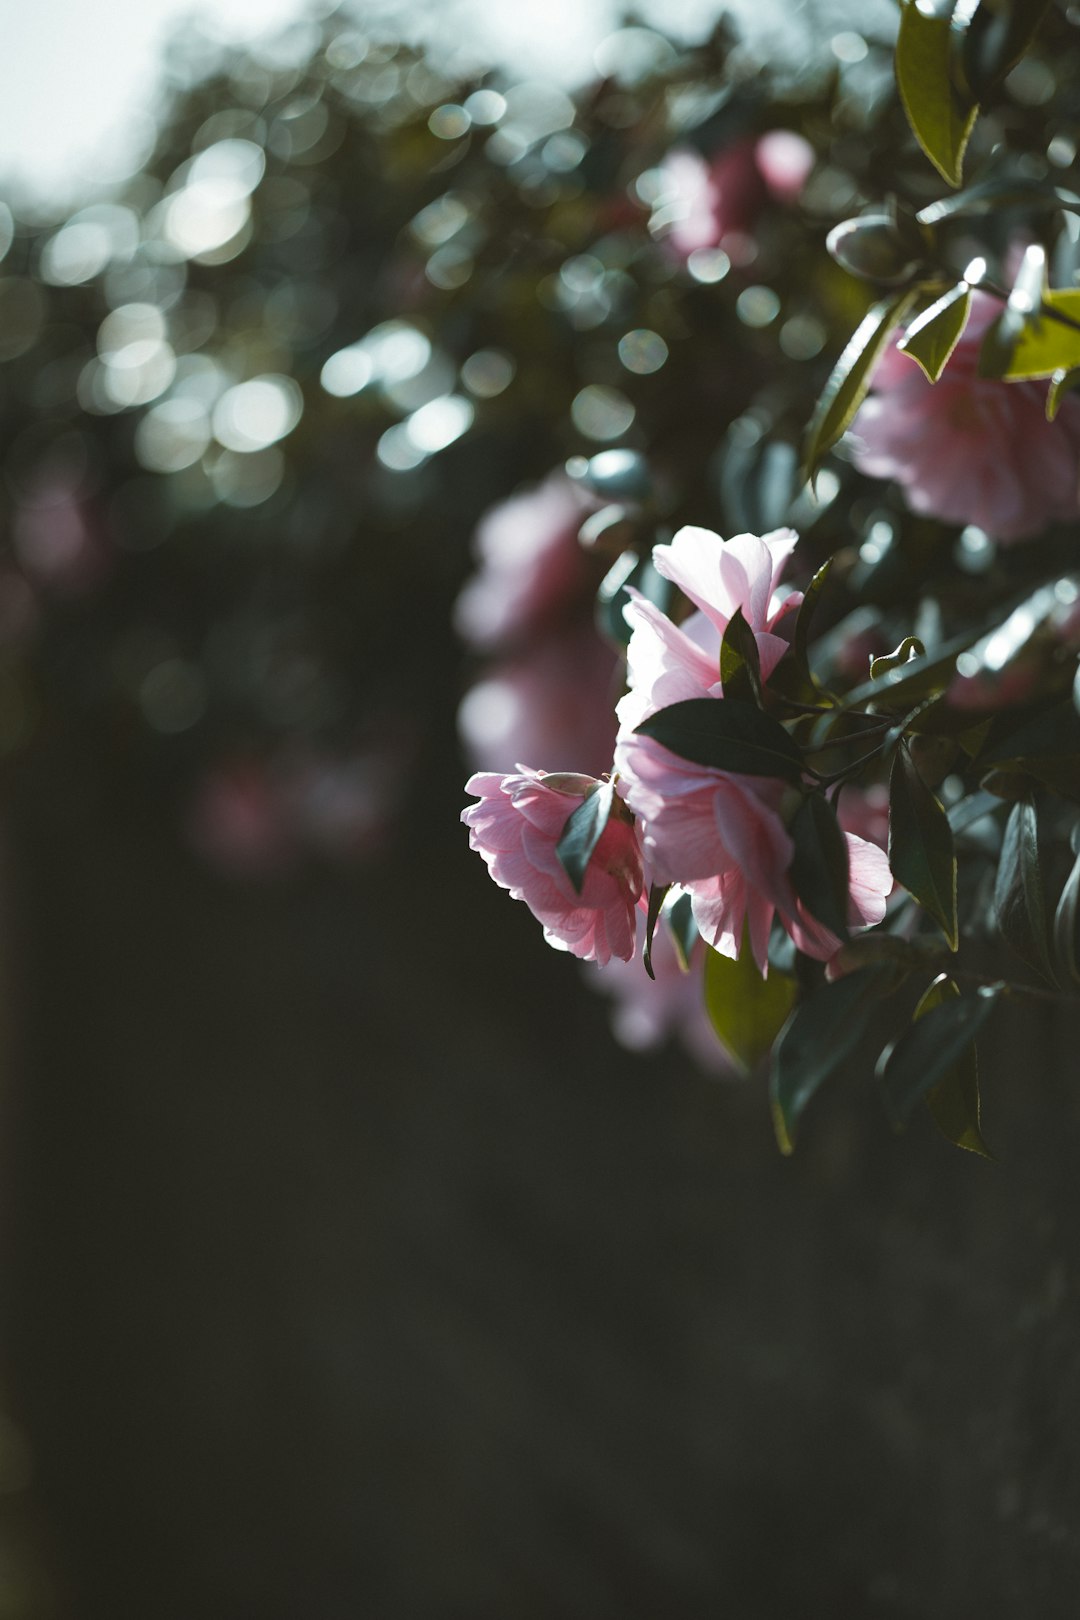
{"points": [[715, 202], [704, 204], [516, 826], [865, 812], [785, 161], [719, 834], [646, 1012], [723, 836], [667, 663], [531, 565], [971, 449], [725, 905], [554, 701]]}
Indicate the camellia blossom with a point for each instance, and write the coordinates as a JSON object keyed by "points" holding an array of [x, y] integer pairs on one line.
{"points": [[721, 834], [668, 663], [531, 565], [516, 826], [971, 449]]}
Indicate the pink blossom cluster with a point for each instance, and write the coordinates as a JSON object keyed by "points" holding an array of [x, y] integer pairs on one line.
{"points": [[971, 449], [723, 836]]}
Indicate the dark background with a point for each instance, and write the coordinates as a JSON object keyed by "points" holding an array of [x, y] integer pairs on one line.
{"points": [[353, 1271]]}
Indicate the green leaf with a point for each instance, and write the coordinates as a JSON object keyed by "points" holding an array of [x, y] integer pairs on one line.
{"points": [[910, 649], [740, 663], [997, 39], [1001, 191], [954, 1101], [1049, 340], [940, 117], [746, 1011], [921, 845], [819, 867], [921, 677], [1045, 746], [901, 956], [611, 598], [846, 388], [1019, 897], [816, 1041], [805, 612], [1067, 926], [931, 339], [793, 677], [583, 830], [939, 1040], [657, 895], [1061, 383], [726, 735]]}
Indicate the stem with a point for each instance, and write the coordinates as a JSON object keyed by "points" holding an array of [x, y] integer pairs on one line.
{"points": [[851, 769], [855, 736]]}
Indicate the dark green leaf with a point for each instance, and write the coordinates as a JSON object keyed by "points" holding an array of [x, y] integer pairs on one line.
{"points": [[921, 845], [902, 956], [997, 39], [846, 388], [805, 613], [940, 117], [1019, 897], [1067, 926], [726, 735], [583, 830], [679, 916], [819, 867], [657, 896], [931, 338], [792, 677], [740, 664], [611, 598], [925, 1054], [816, 1041], [954, 1100], [966, 812], [746, 1011], [1044, 748], [1003, 191]]}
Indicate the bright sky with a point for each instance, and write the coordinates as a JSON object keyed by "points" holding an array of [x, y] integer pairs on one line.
{"points": [[74, 74]]}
